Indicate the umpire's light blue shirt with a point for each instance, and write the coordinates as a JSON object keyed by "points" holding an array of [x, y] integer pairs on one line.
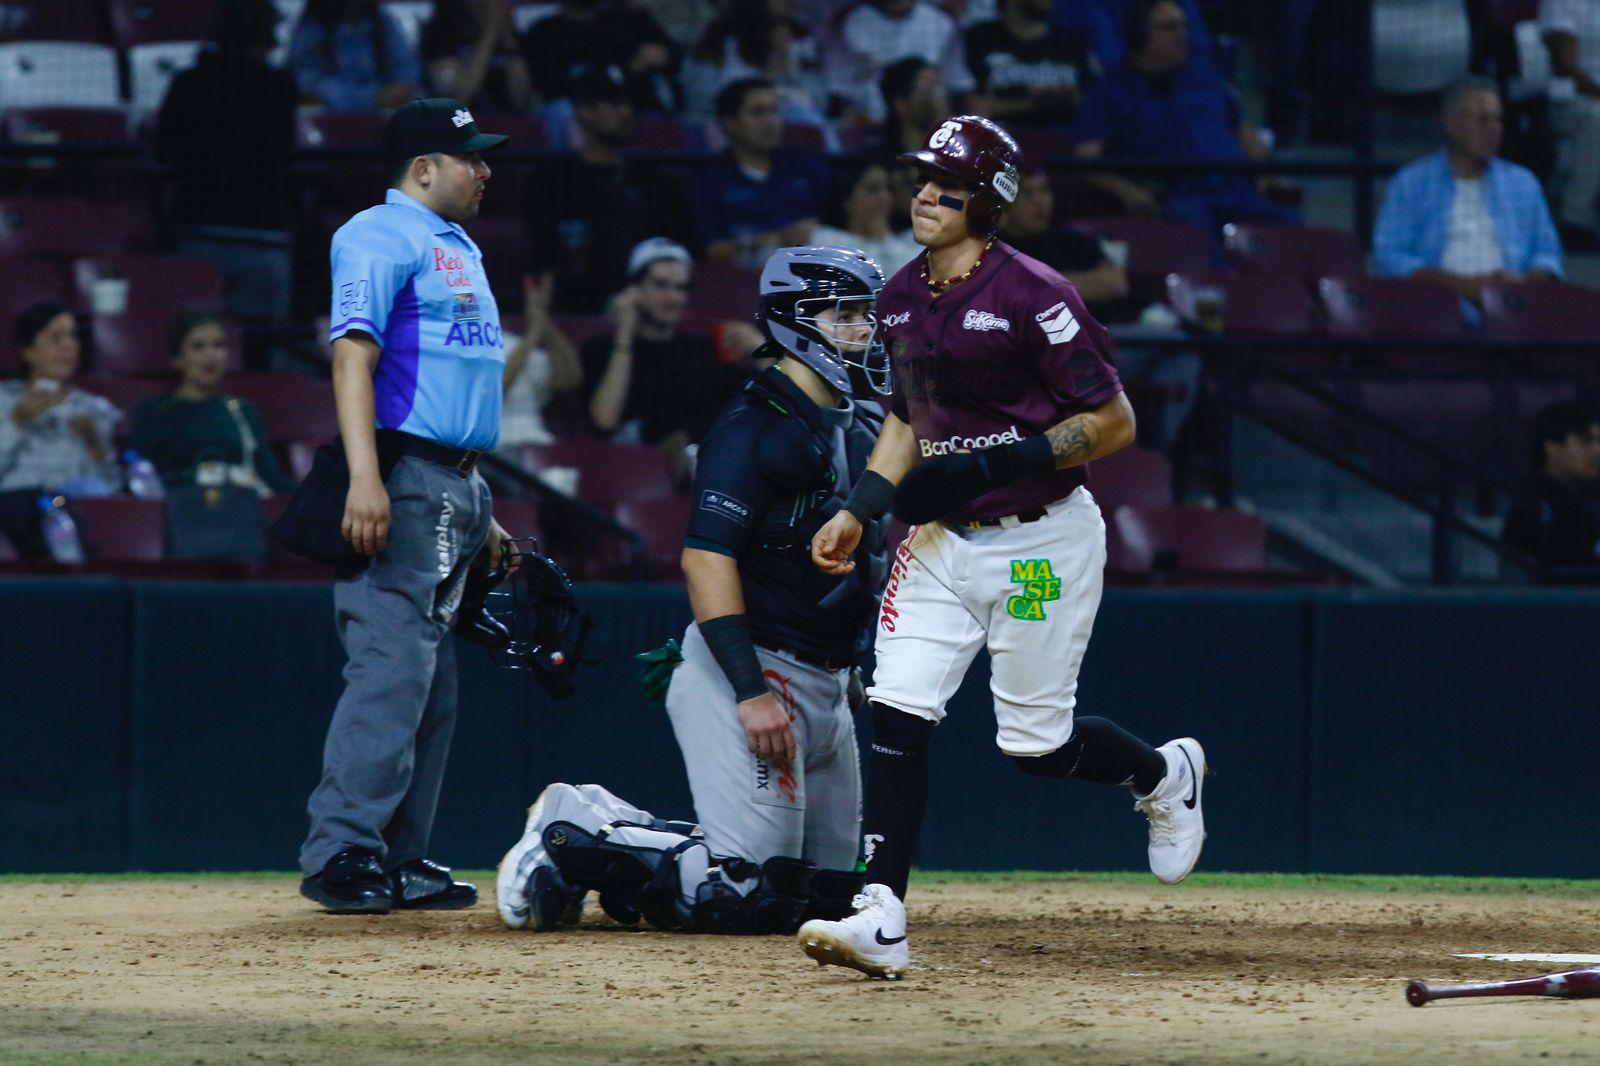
{"points": [[415, 284]]}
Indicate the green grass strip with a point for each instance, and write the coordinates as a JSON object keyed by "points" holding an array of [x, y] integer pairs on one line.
{"points": [[1270, 882]]}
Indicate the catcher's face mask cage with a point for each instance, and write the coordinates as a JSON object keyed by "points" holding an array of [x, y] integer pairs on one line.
{"points": [[851, 331], [550, 634], [820, 305]]}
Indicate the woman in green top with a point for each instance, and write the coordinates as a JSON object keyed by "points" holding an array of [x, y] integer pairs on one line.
{"points": [[197, 433]]}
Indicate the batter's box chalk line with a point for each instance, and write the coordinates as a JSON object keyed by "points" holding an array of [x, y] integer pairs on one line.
{"points": [[1575, 960]]}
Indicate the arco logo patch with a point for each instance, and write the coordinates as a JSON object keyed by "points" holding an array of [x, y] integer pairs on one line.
{"points": [[1039, 587]]}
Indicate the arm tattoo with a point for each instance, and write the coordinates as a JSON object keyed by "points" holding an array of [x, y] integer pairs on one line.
{"points": [[1074, 440]]}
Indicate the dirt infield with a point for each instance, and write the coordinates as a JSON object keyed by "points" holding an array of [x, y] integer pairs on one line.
{"points": [[240, 969]]}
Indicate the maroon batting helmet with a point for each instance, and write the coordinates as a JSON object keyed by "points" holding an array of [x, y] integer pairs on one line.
{"points": [[977, 151]]}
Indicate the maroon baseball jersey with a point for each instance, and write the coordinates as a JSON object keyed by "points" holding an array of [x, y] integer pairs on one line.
{"points": [[1001, 357]]}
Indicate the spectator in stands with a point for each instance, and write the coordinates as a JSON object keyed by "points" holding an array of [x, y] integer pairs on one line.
{"points": [[539, 364], [872, 34], [1462, 217], [54, 437], [650, 381], [591, 34], [1029, 71], [470, 52], [1571, 31], [762, 39], [755, 198], [1105, 22], [1557, 518], [917, 102], [860, 202], [586, 210], [232, 203], [1163, 104], [350, 55], [1030, 228], [197, 433]]}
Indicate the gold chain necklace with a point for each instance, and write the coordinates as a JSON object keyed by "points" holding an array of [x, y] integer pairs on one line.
{"points": [[942, 284]]}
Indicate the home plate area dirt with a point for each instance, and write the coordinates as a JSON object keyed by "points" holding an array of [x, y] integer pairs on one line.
{"points": [[240, 969]]}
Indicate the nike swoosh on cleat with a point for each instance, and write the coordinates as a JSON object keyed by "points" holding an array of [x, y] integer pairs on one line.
{"points": [[887, 940], [1194, 787]]}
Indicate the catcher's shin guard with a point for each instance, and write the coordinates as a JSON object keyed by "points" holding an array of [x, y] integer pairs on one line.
{"points": [[776, 904], [832, 893], [643, 879]]}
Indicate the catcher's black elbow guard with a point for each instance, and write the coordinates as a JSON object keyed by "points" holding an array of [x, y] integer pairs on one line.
{"points": [[870, 497]]}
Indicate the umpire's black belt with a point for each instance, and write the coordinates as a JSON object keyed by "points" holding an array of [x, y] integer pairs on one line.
{"points": [[462, 460], [1032, 514], [810, 660]]}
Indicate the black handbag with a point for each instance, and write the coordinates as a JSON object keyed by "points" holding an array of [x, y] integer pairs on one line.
{"points": [[223, 521], [309, 526]]}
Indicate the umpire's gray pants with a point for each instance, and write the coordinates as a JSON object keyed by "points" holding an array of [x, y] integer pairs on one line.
{"points": [[390, 735], [747, 807]]}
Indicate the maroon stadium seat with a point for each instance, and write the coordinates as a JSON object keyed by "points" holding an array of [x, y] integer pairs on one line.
{"points": [[1132, 475], [608, 473], [293, 407], [661, 522], [135, 343], [722, 290], [1382, 307], [1042, 143], [1305, 252], [1188, 539], [118, 529], [340, 129], [1257, 303], [67, 125], [66, 228], [1541, 312], [62, 20], [145, 21], [157, 284], [1156, 247]]}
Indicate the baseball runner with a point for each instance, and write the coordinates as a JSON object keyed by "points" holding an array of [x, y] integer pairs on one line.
{"points": [[760, 704], [417, 365], [1004, 390]]}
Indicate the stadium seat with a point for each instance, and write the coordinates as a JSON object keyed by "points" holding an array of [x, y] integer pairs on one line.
{"points": [[663, 133], [1305, 252], [73, 20], [353, 130], [156, 284], [58, 74], [1040, 144], [67, 125], [63, 228], [722, 290], [28, 281], [518, 516], [608, 474], [1258, 303], [1132, 475], [524, 131], [1380, 307], [1186, 538], [661, 522], [582, 328], [293, 407], [1540, 312], [1156, 247], [136, 22], [136, 342], [119, 529], [151, 68]]}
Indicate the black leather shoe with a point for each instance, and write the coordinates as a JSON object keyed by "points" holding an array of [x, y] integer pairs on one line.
{"points": [[424, 885], [351, 883]]}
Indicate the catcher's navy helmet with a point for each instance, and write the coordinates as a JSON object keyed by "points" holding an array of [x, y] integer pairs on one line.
{"points": [[797, 285]]}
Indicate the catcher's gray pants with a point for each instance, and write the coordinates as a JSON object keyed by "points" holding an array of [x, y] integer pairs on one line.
{"points": [[747, 807], [390, 735]]}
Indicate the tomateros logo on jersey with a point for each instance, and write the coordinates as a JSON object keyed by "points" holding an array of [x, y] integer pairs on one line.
{"points": [[984, 320], [968, 444]]}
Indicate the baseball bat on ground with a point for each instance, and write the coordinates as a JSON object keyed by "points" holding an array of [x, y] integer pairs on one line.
{"points": [[1568, 984]]}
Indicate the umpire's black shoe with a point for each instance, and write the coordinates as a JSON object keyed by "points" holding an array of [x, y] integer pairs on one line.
{"points": [[352, 883], [424, 885]]}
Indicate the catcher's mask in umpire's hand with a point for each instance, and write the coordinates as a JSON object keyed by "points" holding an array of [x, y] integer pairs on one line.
{"points": [[528, 619]]}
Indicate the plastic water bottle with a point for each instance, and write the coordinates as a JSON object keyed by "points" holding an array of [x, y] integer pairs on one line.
{"points": [[143, 481], [60, 531]]}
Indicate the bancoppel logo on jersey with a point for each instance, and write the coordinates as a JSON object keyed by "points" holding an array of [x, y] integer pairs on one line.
{"points": [[897, 320], [1058, 324], [726, 506], [968, 444], [984, 320]]}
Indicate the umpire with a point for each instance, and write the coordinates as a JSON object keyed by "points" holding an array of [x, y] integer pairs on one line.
{"points": [[417, 367]]}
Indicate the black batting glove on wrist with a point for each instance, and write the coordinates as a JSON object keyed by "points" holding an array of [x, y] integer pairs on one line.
{"points": [[941, 485]]}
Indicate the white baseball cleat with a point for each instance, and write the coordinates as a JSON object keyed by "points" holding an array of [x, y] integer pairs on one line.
{"points": [[872, 940], [527, 887], [1177, 828]]}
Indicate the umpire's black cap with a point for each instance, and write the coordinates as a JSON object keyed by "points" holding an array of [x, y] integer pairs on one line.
{"points": [[436, 125]]}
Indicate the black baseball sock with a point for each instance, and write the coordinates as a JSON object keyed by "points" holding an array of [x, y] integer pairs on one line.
{"points": [[1103, 752], [897, 794]]}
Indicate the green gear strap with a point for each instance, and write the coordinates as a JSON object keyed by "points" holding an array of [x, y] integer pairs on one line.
{"points": [[656, 673]]}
